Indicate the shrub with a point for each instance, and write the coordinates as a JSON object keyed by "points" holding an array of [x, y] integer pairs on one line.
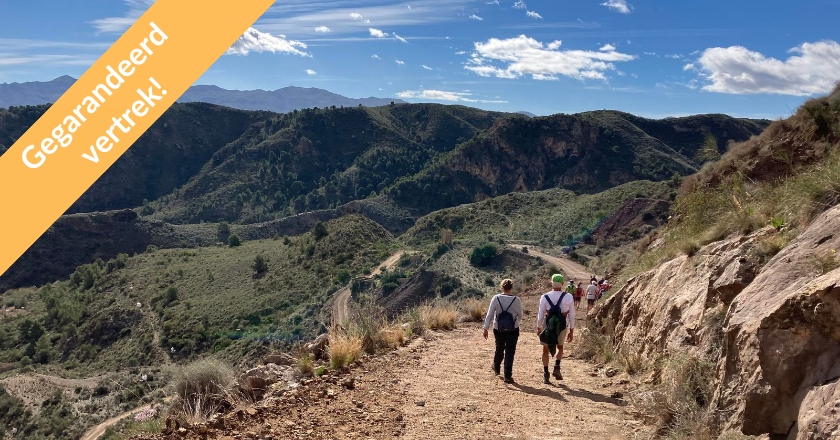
{"points": [[391, 335], [223, 230], [483, 255], [441, 249], [320, 231], [689, 248], [304, 363], [439, 316], [595, 346], [524, 249], [344, 349], [260, 265], [475, 309], [234, 240], [679, 405], [202, 388]]}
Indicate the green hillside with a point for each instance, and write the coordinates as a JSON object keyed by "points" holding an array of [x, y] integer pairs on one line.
{"points": [[587, 152], [554, 217], [196, 301]]}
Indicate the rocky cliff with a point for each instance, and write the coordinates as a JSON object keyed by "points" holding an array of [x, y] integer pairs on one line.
{"points": [[772, 326]]}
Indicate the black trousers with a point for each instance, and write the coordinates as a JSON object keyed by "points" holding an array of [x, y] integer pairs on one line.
{"points": [[505, 348]]}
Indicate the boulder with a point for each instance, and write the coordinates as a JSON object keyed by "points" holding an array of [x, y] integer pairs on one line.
{"points": [[280, 359], [318, 347], [257, 381]]}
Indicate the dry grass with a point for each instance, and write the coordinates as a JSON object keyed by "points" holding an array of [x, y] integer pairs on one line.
{"points": [[202, 389], [391, 335], [825, 261], [679, 403], [344, 349], [631, 360], [475, 309], [304, 364], [595, 346], [439, 316]]}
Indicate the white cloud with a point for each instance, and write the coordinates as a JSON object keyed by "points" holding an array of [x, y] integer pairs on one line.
{"points": [[136, 8], [674, 56], [323, 29], [618, 6], [461, 52], [440, 95], [533, 14], [607, 48], [400, 62], [377, 33], [409, 6], [375, 56], [476, 17], [311, 72], [426, 67], [519, 5], [400, 38], [653, 54], [689, 66], [356, 16], [523, 55], [255, 41], [494, 2], [815, 68]]}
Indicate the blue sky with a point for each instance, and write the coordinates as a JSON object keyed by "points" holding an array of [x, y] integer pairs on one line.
{"points": [[652, 58]]}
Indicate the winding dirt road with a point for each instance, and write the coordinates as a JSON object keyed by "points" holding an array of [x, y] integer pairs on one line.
{"points": [[569, 269], [340, 306], [97, 431]]}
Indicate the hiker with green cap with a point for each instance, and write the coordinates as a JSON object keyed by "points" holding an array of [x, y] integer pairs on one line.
{"points": [[555, 324]]}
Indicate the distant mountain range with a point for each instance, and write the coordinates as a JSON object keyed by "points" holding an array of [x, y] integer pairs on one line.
{"points": [[281, 100]]}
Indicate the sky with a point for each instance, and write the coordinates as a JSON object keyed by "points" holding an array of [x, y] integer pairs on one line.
{"points": [[653, 58]]}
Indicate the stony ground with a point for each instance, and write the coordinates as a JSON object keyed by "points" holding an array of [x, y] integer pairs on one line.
{"points": [[439, 387]]}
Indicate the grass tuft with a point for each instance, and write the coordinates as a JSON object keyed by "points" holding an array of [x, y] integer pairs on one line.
{"points": [[474, 309], [344, 349], [439, 316]]}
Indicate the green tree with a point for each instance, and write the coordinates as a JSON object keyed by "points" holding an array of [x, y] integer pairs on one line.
{"points": [[43, 349], [320, 231], [234, 241], [260, 264], [483, 255]]}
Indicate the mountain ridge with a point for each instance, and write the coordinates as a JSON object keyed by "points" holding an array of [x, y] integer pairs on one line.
{"points": [[280, 100]]}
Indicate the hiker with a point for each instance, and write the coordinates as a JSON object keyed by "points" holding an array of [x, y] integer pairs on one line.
{"points": [[578, 295], [570, 289], [555, 325], [505, 313], [591, 294]]}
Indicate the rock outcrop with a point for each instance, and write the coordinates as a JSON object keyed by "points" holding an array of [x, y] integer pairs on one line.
{"points": [[773, 328]]}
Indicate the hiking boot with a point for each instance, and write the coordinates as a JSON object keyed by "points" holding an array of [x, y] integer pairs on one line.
{"points": [[509, 380], [546, 378], [497, 369], [557, 375]]}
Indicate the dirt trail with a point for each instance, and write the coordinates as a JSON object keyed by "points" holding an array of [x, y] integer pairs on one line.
{"points": [[442, 387], [463, 399], [340, 307], [97, 431], [570, 269]]}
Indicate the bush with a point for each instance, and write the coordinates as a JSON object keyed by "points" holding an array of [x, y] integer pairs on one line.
{"points": [[223, 230], [304, 363], [234, 241], [689, 248], [679, 405], [475, 309], [440, 316], [202, 388], [320, 231], [441, 249], [260, 265], [344, 349], [483, 255]]}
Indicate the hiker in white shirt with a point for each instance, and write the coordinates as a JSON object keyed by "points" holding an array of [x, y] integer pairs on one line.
{"points": [[591, 295], [505, 314], [551, 337]]}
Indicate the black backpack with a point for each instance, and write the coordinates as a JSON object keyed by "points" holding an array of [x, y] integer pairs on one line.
{"points": [[554, 311], [505, 320]]}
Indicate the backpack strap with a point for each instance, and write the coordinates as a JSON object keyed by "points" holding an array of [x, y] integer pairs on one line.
{"points": [[549, 301], [510, 304]]}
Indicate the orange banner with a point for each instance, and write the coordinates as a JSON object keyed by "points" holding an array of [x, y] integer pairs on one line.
{"points": [[108, 108]]}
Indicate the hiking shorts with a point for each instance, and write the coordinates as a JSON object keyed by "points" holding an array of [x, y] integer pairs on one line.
{"points": [[590, 301], [561, 338]]}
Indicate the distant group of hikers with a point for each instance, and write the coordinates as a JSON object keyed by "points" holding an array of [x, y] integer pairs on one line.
{"points": [[555, 322]]}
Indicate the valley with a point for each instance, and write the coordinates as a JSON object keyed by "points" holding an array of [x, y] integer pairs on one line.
{"points": [[236, 236]]}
